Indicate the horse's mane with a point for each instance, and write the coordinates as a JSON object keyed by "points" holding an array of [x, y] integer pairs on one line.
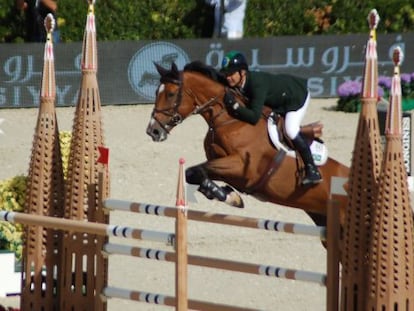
{"points": [[206, 70]]}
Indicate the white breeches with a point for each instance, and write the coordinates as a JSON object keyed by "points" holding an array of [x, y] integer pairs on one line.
{"points": [[293, 119]]}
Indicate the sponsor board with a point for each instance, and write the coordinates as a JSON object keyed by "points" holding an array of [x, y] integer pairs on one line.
{"points": [[407, 141]]}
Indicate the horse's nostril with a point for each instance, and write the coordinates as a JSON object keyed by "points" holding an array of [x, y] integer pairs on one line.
{"points": [[151, 132]]}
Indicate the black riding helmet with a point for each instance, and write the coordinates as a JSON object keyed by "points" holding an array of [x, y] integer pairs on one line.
{"points": [[233, 61]]}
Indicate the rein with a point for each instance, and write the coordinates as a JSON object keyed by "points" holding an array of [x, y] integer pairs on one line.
{"points": [[203, 107], [200, 109]]}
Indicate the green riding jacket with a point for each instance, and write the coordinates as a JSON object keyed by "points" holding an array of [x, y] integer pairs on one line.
{"points": [[281, 92]]}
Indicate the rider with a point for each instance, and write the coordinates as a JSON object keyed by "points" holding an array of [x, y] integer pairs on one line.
{"points": [[285, 94]]}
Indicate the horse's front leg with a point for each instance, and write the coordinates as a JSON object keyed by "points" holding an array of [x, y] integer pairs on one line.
{"points": [[221, 168]]}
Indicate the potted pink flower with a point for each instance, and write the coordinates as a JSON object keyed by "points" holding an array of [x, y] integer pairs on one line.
{"points": [[349, 93]]}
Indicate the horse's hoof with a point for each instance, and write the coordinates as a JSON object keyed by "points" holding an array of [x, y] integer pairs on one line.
{"points": [[233, 198]]}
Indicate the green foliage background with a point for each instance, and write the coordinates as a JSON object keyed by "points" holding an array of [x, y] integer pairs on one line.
{"points": [[160, 19]]}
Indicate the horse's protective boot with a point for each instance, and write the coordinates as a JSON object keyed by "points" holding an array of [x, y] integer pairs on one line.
{"points": [[212, 191], [312, 175], [224, 194]]}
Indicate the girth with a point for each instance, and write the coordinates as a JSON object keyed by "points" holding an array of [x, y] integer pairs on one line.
{"points": [[272, 167]]}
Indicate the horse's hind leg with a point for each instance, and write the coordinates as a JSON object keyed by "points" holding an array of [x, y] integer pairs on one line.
{"points": [[197, 175], [318, 219]]}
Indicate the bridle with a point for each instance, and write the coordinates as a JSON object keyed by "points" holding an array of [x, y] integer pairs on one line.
{"points": [[172, 112]]}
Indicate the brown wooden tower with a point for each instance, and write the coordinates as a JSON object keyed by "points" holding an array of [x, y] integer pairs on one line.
{"points": [[363, 181], [391, 257], [85, 269], [45, 192]]}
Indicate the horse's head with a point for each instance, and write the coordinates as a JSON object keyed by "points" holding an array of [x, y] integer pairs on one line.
{"points": [[168, 111], [195, 90]]}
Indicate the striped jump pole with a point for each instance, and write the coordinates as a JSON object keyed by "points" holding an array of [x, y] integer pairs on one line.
{"points": [[223, 264], [159, 299], [249, 222], [87, 227], [330, 280]]}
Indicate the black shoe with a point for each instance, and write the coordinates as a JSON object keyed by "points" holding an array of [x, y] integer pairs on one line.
{"points": [[312, 176]]}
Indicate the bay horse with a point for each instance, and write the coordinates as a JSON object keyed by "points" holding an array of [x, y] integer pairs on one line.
{"points": [[238, 154]]}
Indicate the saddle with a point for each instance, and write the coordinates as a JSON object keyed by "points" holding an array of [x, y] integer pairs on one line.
{"points": [[279, 138], [284, 145], [312, 132]]}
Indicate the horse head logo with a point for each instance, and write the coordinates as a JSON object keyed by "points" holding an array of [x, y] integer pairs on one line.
{"points": [[143, 77]]}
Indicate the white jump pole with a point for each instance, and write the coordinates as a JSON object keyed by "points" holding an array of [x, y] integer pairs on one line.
{"points": [[249, 222], [159, 299], [264, 270], [87, 227]]}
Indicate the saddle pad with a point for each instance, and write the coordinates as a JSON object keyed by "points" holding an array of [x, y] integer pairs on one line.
{"points": [[318, 149]]}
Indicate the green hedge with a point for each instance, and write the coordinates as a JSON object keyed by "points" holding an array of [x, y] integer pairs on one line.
{"points": [[160, 19]]}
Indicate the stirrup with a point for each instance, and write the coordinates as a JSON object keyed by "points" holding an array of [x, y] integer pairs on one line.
{"points": [[311, 181], [312, 176]]}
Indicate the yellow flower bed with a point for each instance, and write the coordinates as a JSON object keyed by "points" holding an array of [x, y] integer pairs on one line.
{"points": [[13, 196]]}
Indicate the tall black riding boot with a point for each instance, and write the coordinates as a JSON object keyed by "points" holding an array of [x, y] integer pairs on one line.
{"points": [[312, 173]]}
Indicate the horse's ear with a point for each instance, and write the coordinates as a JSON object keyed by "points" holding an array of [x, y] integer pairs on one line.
{"points": [[174, 69], [161, 70]]}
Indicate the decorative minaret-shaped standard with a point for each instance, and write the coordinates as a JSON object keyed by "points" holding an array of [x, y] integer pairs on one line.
{"points": [[181, 263], [391, 257], [363, 179], [84, 264], [45, 193]]}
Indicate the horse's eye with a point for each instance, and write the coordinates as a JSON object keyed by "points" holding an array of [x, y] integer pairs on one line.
{"points": [[170, 95]]}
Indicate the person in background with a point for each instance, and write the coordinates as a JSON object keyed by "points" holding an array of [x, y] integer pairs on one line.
{"points": [[228, 17], [35, 12], [285, 94]]}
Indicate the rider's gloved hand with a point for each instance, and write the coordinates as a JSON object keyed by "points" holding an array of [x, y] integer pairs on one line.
{"points": [[230, 102]]}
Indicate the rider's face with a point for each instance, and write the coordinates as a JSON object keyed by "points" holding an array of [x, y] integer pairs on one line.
{"points": [[235, 79]]}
